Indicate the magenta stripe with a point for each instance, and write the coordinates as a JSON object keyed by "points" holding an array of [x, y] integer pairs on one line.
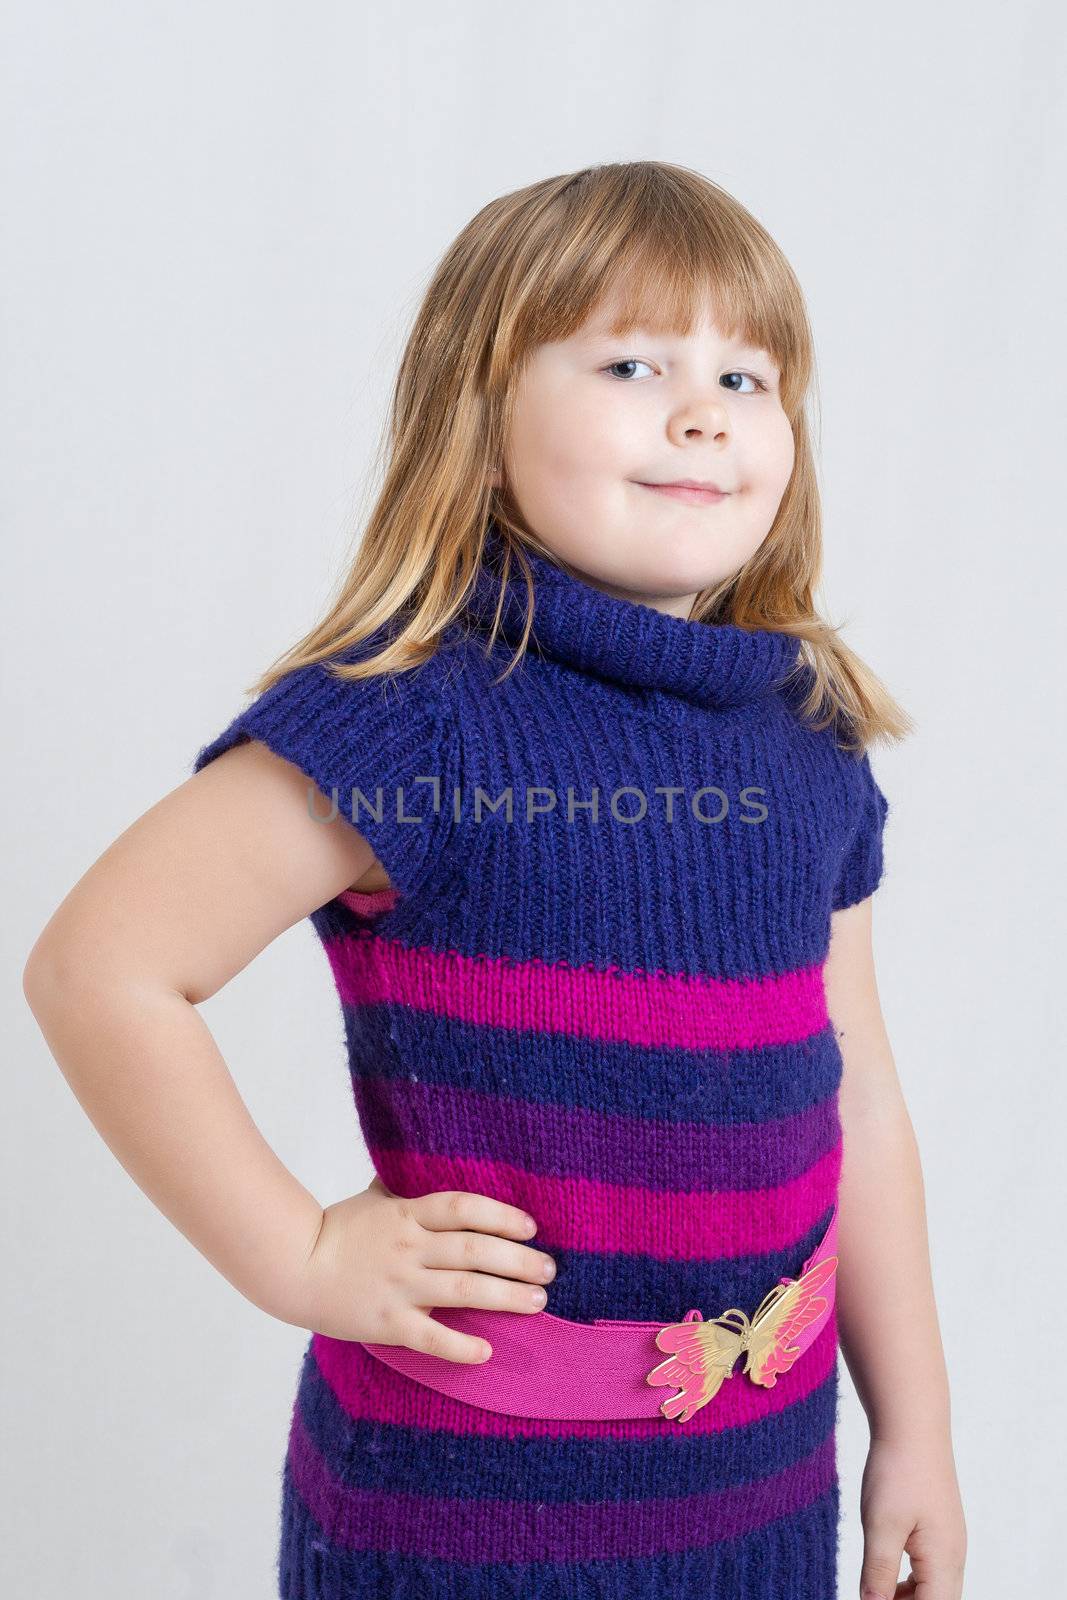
{"points": [[368, 902], [368, 1390], [485, 1530], [642, 1008], [670, 1225]]}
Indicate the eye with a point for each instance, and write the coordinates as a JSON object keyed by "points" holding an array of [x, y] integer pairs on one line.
{"points": [[760, 385], [630, 361]]}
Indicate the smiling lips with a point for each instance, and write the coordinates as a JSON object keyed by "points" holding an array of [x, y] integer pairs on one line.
{"points": [[690, 491]]}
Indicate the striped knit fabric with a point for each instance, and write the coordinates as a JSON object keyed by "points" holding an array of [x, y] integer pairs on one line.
{"points": [[615, 1019]]}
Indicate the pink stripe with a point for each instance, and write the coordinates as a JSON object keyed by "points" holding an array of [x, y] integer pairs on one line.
{"points": [[368, 902], [643, 1008], [368, 1390], [670, 1225]]}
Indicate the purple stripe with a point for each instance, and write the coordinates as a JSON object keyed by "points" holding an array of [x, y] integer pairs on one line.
{"points": [[487, 1530], [592, 1144]]}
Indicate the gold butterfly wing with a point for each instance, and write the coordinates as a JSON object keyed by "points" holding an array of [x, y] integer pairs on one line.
{"points": [[702, 1358], [772, 1342]]}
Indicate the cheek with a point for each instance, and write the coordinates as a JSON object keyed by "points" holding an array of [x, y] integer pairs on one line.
{"points": [[592, 435], [580, 452], [777, 452], [534, 451], [556, 435]]}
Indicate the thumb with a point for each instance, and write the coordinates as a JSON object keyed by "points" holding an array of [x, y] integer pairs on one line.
{"points": [[881, 1568]]}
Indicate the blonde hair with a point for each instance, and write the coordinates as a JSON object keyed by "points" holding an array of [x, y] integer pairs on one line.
{"points": [[530, 268]]}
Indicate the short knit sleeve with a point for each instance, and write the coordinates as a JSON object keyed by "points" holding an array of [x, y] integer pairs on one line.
{"points": [[382, 749], [862, 867]]}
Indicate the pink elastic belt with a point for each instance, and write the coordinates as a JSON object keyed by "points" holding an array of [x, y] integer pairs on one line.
{"points": [[546, 1366]]}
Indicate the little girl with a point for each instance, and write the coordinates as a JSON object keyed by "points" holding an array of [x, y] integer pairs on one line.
{"points": [[573, 784]]}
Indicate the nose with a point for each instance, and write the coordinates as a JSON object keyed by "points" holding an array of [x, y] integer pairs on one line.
{"points": [[703, 414]]}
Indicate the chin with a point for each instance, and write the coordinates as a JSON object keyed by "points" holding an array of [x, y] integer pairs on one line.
{"points": [[674, 577]]}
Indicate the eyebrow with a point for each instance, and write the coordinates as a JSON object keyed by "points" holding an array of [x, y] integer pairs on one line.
{"points": [[592, 335], [600, 334]]}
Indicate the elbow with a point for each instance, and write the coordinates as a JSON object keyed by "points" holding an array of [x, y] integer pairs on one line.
{"points": [[47, 972], [58, 962], [69, 972]]}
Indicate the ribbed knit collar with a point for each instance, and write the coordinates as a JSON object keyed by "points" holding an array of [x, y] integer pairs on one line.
{"points": [[626, 641]]}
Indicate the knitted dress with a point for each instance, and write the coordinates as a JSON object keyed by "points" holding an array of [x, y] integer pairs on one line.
{"points": [[595, 991]]}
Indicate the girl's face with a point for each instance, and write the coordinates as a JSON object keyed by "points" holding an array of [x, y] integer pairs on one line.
{"points": [[596, 420]]}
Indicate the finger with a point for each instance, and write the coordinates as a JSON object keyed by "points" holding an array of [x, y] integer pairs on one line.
{"points": [[486, 1252], [458, 1208], [433, 1338], [881, 1568], [437, 1287]]}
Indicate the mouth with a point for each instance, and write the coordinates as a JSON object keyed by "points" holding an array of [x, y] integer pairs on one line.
{"points": [[690, 493]]}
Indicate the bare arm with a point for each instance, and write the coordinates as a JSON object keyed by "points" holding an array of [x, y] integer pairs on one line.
{"points": [[886, 1312], [887, 1321], [173, 909]]}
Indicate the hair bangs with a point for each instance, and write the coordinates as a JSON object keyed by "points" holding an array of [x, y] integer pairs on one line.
{"points": [[661, 257]]}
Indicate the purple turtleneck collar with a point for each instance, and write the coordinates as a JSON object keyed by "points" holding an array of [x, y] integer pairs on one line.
{"points": [[626, 641]]}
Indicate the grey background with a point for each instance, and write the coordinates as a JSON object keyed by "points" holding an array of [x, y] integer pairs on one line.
{"points": [[219, 221]]}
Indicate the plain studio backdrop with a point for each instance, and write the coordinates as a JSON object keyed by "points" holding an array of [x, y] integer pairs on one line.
{"points": [[219, 222]]}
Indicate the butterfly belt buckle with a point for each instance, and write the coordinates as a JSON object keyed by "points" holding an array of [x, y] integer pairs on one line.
{"points": [[788, 1319]]}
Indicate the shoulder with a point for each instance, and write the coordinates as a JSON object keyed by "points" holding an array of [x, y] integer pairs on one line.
{"points": [[831, 736], [842, 782], [320, 710], [384, 748]]}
